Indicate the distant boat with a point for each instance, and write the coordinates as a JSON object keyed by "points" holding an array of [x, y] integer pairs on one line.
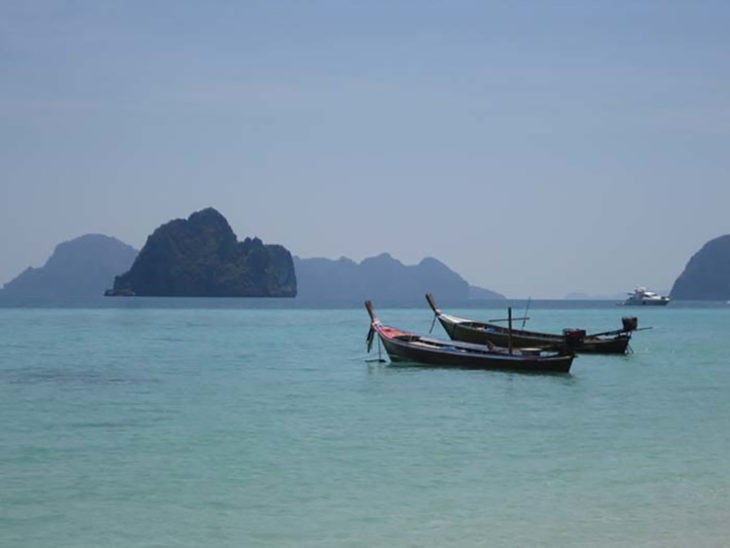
{"points": [[641, 296], [406, 347], [607, 342]]}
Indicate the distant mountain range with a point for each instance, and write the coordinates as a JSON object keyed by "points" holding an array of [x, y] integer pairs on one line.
{"points": [[81, 267], [383, 279], [89, 265]]}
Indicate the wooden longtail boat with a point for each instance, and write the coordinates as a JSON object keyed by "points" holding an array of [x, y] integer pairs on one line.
{"points": [[406, 347], [608, 342]]}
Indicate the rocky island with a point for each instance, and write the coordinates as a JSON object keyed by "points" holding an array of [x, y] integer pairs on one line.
{"points": [[82, 267], [201, 257], [707, 274]]}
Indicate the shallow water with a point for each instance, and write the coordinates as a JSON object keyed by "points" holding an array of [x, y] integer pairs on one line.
{"points": [[190, 426]]}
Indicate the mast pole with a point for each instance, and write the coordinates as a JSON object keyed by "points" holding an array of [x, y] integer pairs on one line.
{"points": [[509, 319]]}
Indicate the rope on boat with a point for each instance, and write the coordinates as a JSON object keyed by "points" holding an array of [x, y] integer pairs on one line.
{"points": [[369, 340]]}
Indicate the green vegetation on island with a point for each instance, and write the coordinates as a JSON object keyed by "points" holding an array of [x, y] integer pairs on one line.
{"points": [[201, 257]]}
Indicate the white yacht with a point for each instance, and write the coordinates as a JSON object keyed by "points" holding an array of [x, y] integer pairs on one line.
{"points": [[642, 296]]}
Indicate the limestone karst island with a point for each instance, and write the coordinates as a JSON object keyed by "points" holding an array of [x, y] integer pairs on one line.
{"points": [[201, 257]]}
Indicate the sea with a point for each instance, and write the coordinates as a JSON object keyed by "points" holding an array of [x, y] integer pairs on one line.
{"points": [[245, 423]]}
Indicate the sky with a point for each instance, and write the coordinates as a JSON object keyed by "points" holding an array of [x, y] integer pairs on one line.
{"points": [[537, 148]]}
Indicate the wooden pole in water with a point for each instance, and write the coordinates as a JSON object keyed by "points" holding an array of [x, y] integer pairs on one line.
{"points": [[509, 319]]}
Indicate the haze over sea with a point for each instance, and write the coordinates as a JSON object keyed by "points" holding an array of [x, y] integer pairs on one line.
{"points": [[158, 422]]}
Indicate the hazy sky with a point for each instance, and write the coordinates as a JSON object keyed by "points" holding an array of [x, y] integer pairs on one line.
{"points": [[536, 148]]}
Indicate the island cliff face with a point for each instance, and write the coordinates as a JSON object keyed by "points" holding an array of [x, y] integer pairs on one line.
{"points": [[707, 274], [201, 257]]}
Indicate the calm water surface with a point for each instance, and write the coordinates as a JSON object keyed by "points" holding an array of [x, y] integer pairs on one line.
{"points": [[270, 427]]}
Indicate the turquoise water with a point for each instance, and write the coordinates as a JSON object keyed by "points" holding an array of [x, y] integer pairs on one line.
{"points": [[146, 426]]}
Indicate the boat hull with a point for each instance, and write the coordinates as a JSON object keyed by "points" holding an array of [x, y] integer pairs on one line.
{"points": [[461, 358], [500, 336]]}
